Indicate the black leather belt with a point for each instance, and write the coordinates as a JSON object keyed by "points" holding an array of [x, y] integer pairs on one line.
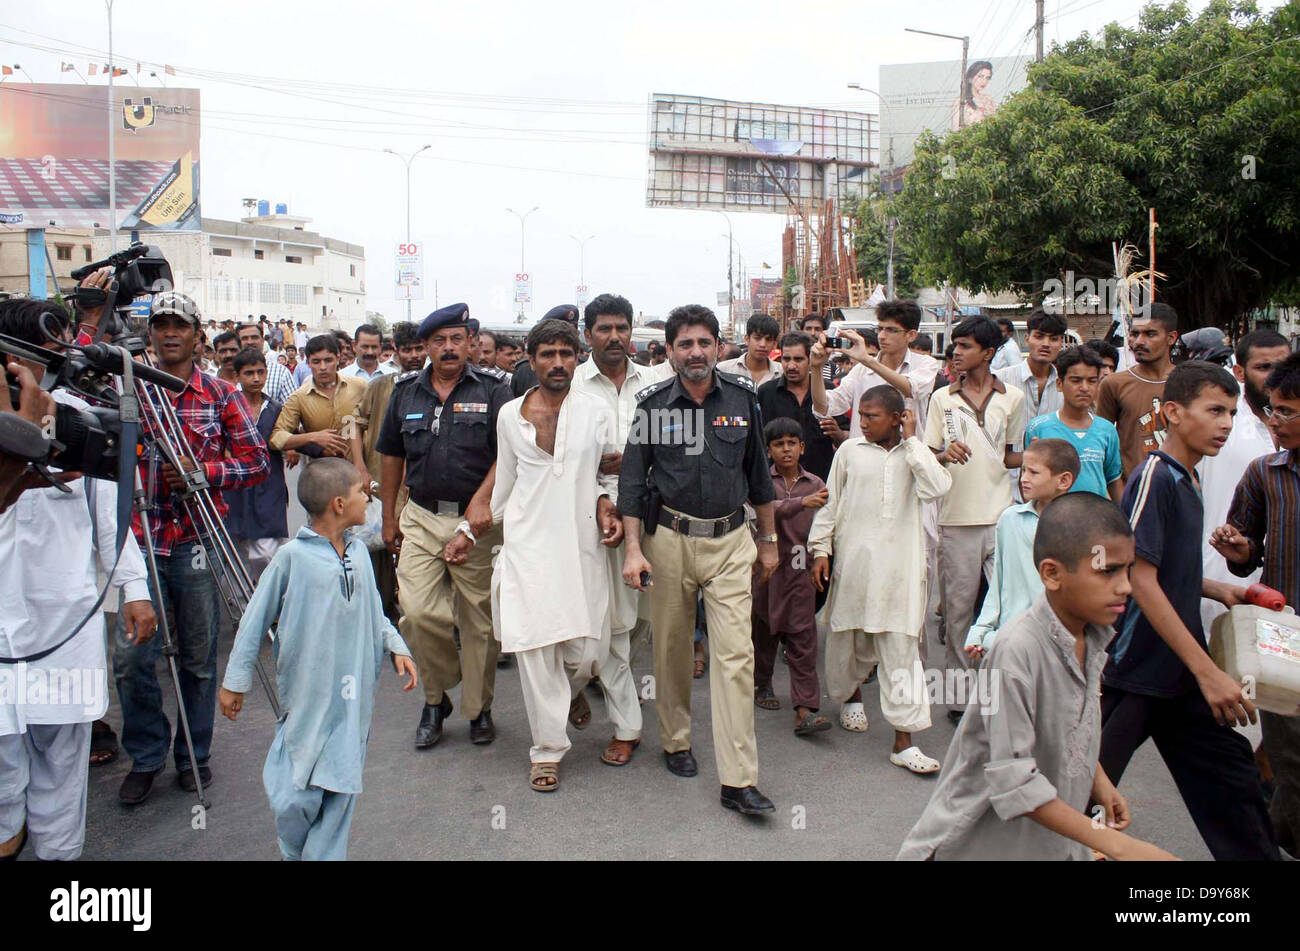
{"points": [[701, 527], [440, 507]]}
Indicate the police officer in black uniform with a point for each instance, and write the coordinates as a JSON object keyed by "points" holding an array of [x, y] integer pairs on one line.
{"points": [[441, 428], [694, 456]]}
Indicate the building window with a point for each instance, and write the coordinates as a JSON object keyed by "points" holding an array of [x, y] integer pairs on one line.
{"points": [[85, 249], [221, 252], [268, 293], [297, 294], [352, 270], [221, 290], [63, 252], [258, 254], [292, 259]]}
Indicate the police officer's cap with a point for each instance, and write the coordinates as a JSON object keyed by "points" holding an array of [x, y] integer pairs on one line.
{"points": [[566, 312], [453, 315]]}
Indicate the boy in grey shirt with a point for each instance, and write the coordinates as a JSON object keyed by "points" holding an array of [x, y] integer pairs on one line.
{"points": [[1023, 765]]}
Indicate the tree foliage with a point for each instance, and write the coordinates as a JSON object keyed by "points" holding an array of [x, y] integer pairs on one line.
{"points": [[1197, 117], [871, 244]]}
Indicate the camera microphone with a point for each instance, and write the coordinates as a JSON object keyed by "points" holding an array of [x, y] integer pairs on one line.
{"points": [[109, 359]]}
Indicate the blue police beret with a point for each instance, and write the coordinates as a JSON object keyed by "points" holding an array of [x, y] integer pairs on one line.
{"points": [[453, 315], [563, 312]]}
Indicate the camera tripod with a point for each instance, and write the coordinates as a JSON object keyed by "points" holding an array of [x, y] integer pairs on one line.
{"points": [[164, 432]]}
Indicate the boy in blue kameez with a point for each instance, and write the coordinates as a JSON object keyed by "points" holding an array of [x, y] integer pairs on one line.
{"points": [[331, 638]]}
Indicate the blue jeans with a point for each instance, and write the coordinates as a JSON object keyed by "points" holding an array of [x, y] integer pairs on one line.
{"points": [[192, 603]]}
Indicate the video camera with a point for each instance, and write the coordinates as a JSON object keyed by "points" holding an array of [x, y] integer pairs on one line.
{"points": [[88, 440]]}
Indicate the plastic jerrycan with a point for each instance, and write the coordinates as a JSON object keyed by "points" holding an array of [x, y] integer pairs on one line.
{"points": [[1260, 647]]}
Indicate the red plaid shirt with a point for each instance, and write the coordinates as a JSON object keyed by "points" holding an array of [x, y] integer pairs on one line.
{"points": [[222, 437]]}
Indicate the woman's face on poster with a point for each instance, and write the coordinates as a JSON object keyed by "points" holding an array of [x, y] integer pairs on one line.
{"points": [[981, 80]]}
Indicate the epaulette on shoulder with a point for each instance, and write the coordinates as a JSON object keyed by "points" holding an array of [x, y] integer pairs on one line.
{"points": [[743, 382], [654, 388]]}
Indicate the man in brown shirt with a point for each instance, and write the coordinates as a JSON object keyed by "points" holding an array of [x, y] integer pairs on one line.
{"points": [[322, 411], [370, 413], [1131, 399]]}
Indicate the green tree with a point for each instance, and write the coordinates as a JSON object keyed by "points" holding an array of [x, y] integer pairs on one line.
{"points": [[378, 319], [1197, 117], [871, 244]]}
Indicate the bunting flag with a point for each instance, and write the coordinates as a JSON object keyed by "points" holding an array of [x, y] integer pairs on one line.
{"points": [[67, 68], [118, 71], [92, 69], [137, 67], [169, 70], [6, 71]]}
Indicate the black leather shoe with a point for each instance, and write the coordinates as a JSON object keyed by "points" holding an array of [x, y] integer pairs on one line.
{"points": [[504, 661], [481, 730], [954, 716], [681, 763], [747, 800], [185, 778], [136, 786], [430, 729]]}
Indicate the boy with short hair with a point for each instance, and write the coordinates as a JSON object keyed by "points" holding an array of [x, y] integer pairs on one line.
{"points": [[1049, 470], [331, 637], [975, 426], [258, 516], [1263, 531], [1160, 682], [784, 606], [1095, 439], [1019, 777], [871, 522]]}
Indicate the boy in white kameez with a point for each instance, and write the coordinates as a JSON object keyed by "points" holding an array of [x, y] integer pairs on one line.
{"points": [[871, 523], [1023, 763], [550, 584], [331, 638]]}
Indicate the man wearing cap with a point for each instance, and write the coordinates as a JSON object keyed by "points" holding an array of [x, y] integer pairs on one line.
{"points": [[523, 378], [440, 430], [225, 445], [694, 456]]}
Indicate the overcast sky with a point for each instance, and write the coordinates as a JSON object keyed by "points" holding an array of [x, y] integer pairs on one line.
{"points": [[523, 103]]}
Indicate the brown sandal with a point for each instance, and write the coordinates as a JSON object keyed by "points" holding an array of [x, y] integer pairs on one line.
{"points": [[619, 752], [544, 777], [700, 664], [580, 712]]}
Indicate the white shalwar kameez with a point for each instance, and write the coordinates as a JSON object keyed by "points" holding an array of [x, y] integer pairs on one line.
{"points": [[51, 543], [550, 583]]}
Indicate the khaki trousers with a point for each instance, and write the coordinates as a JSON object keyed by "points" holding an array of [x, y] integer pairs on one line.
{"points": [[722, 568], [850, 655], [425, 587], [965, 553]]}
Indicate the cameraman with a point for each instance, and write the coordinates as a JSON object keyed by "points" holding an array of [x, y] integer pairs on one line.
{"points": [[34, 406], [224, 444], [49, 542]]}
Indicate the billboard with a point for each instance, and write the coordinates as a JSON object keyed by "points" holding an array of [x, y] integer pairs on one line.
{"points": [[920, 96], [747, 156], [409, 266], [54, 156]]}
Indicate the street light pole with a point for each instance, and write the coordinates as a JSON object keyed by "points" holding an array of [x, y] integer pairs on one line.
{"points": [[522, 270], [731, 287], [112, 148], [408, 160], [961, 80], [582, 246], [891, 222]]}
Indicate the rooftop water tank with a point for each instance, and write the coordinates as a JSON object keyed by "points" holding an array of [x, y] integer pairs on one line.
{"points": [[263, 207]]}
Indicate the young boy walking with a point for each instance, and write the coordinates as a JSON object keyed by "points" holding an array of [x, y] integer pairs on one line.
{"points": [[975, 426], [784, 607], [1049, 469], [258, 519], [1095, 439], [871, 523], [1019, 777], [331, 636], [1160, 682]]}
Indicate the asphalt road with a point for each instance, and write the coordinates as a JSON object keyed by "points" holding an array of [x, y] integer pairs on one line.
{"points": [[837, 795]]}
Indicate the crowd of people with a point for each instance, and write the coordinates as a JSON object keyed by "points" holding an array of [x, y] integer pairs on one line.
{"points": [[1075, 517]]}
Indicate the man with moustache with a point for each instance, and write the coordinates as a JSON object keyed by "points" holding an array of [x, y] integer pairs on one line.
{"points": [[614, 378], [440, 432], [1132, 399], [551, 579], [694, 456], [523, 378]]}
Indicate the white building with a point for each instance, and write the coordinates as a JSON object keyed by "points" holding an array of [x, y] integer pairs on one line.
{"points": [[267, 264]]}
